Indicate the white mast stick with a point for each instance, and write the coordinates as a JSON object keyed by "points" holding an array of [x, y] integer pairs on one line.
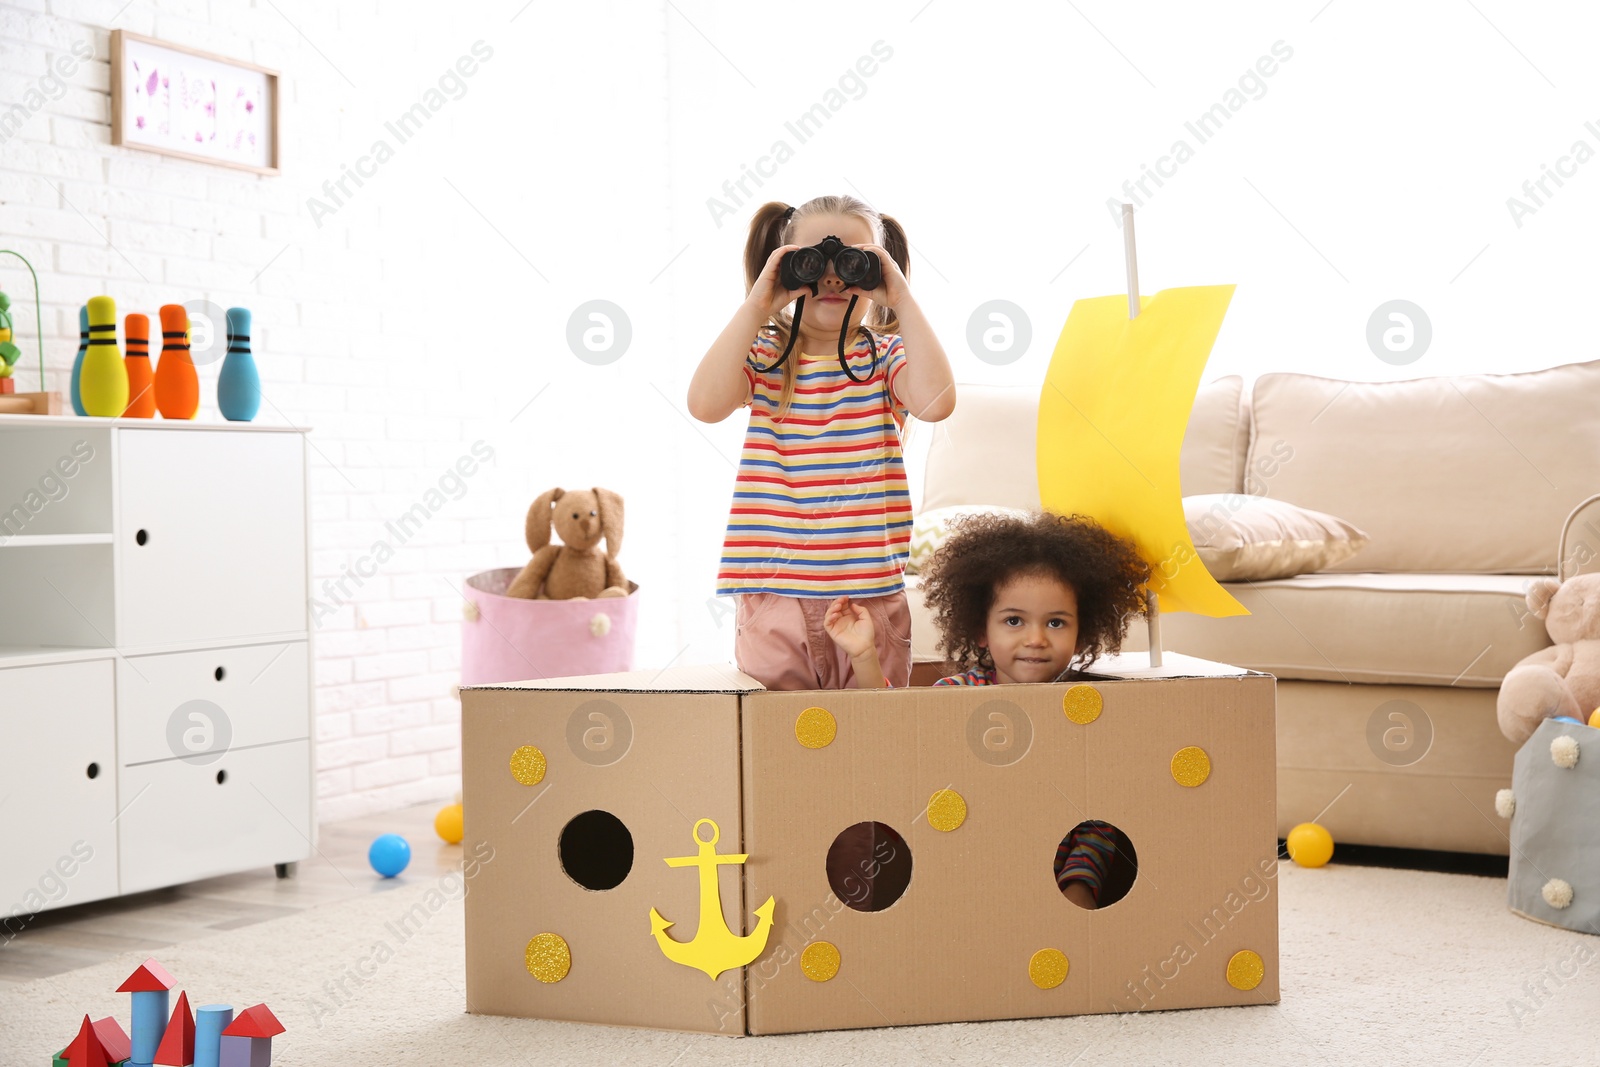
{"points": [[1153, 617]]}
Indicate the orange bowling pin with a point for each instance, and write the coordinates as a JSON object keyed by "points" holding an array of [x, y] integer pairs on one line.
{"points": [[177, 384], [103, 383], [141, 379]]}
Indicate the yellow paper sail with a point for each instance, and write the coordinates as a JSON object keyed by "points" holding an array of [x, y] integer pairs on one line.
{"points": [[1112, 415]]}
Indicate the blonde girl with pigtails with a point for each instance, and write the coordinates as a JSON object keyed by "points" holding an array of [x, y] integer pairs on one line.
{"points": [[820, 525]]}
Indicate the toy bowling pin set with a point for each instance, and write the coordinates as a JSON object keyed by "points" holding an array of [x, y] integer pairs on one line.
{"points": [[105, 383]]}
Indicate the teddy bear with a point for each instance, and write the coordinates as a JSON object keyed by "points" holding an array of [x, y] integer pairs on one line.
{"points": [[576, 569], [1563, 679]]}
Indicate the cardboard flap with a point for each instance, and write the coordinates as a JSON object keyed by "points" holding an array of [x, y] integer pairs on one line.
{"points": [[1173, 665], [700, 678]]}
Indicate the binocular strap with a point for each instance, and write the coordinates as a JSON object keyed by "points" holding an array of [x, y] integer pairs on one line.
{"points": [[844, 331]]}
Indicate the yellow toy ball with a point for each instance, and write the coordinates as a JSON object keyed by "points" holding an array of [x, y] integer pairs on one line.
{"points": [[447, 824], [1594, 718], [1310, 845]]}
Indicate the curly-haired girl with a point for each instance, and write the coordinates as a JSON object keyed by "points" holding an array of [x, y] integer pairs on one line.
{"points": [[1017, 599]]}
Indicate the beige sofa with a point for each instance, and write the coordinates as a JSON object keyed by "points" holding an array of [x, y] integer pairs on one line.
{"points": [[1388, 664]]}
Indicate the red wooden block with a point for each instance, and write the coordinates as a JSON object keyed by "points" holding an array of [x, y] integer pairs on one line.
{"points": [[113, 1038], [257, 1021], [177, 1043], [85, 1050], [149, 978], [98, 1044]]}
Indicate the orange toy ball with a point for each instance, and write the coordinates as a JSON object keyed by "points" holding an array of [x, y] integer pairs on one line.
{"points": [[448, 823], [1310, 845]]}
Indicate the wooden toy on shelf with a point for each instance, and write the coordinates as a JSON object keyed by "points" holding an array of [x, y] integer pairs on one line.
{"points": [[30, 404], [12, 402], [8, 351]]}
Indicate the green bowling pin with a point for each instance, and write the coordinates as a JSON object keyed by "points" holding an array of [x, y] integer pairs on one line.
{"points": [[104, 382]]}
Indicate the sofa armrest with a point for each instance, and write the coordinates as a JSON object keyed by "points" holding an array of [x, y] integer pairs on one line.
{"points": [[1580, 540]]}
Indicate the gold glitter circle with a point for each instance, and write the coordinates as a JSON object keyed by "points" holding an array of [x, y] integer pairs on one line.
{"points": [[820, 961], [1082, 704], [1191, 766], [947, 810], [816, 728], [1048, 968], [1245, 970], [527, 765], [548, 958]]}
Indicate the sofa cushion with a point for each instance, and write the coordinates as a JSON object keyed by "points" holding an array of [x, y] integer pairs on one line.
{"points": [[1407, 629], [1466, 474], [984, 452], [1243, 538], [1213, 456]]}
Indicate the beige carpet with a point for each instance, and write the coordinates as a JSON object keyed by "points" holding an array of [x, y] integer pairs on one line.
{"points": [[1378, 966]]}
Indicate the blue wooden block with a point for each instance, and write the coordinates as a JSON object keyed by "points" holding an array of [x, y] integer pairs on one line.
{"points": [[209, 1022], [150, 1013], [246, 1052]]}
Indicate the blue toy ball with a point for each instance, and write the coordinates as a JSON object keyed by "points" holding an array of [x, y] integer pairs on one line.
{"points": [[389, 854]]}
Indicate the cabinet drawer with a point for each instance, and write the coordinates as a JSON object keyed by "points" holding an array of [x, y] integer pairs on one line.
{"points": [[58, 841], [182, 822], [200, 705], [210, 536]]}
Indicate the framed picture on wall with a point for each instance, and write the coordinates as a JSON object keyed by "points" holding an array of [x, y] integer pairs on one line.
{"points": [[184, 102]]}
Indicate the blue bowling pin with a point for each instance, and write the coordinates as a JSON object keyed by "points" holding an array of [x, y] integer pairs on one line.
{"points": [[77, 364], [238, 385]]}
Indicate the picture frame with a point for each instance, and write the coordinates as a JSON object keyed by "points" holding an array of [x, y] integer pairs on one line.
{"points": [[191, 104]]}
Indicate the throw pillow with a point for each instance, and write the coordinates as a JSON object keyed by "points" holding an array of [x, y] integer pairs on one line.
{"points": [[1243, 538]]}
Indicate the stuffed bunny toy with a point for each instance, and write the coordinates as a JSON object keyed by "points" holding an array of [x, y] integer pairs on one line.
{"points": [[1563, 679], [577, 569]]}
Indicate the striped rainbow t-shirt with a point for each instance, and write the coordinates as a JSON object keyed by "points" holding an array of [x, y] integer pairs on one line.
{"points": [[820, 504]]}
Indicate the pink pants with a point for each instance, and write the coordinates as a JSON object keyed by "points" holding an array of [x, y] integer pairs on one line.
{"points": [[780, 641]]}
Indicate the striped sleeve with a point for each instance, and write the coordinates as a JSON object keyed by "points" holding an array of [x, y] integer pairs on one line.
{"points": [[1085, 856], [894, 363], [763, 353]]}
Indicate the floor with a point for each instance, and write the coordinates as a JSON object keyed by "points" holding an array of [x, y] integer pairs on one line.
{"points": [[55, 942]]}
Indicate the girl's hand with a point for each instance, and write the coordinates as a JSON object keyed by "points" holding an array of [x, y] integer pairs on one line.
{"points": [[768, 295], [850, 627], [894, 290]]}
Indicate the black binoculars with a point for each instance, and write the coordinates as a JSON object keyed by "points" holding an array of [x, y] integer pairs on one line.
{"points": [[856, 267]]}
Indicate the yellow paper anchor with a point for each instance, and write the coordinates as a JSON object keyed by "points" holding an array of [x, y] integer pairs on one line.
{"points": [[715, 948]]}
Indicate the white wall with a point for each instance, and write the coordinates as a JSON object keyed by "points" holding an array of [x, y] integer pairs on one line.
{"points": [[429, 311]]}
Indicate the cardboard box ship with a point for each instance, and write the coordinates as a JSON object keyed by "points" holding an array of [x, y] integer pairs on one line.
{"points": [[583, 786]]}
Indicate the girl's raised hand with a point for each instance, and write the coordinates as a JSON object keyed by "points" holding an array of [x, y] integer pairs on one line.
{"points": [[850, 627], [768, 295], [894, 290]]}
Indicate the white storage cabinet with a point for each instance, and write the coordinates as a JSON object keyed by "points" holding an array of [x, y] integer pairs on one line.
{"points": [[155, 656]]}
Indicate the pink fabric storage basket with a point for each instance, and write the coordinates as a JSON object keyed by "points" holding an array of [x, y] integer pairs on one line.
{"points": [[513, 640]]}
